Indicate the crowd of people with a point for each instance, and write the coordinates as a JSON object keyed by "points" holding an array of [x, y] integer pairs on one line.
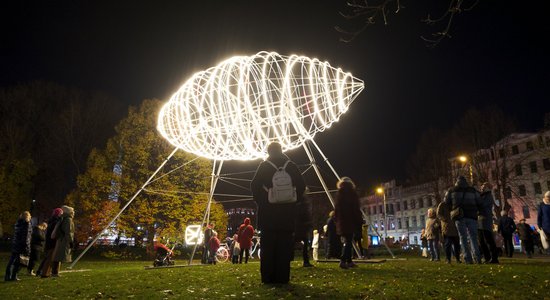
{"points": [[52, 240], [464, 222]]}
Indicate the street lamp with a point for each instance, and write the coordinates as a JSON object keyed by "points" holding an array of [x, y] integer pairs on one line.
{"points": [[382, 192], [464, 159]]}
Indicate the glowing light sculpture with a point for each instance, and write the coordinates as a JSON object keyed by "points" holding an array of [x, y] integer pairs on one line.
{"points": [[234, 110]]}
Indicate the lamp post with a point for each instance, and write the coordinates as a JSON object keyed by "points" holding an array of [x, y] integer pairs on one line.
{"points": [[381, 191], [464, 159]]}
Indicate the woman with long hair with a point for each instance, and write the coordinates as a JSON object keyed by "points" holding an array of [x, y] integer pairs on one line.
{"points": [[348, 218]]}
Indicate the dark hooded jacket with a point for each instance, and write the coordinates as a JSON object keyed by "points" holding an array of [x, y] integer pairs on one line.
{"points": [[525, 232], [506, 226], [485, 218], [278, 217], [304, 220], [347, 212], [464, 196], [245, 234], [22, 237], [38, 238]]}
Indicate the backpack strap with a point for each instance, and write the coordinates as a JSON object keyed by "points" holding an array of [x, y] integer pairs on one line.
{"points": [[273, 165]]}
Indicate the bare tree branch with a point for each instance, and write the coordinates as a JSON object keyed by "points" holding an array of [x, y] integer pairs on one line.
{"points": [[372, 13]]}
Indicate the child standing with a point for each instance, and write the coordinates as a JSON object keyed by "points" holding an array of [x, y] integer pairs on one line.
{"points": [[213, 246], [315, 245], [235, 250]]}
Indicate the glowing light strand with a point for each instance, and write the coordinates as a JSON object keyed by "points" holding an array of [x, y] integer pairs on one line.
{"points": [[235, 109]]}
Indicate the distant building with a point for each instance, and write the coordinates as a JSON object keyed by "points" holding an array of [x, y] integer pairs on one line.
{"points": [[523, 159], [517, 166], [406, 209]]}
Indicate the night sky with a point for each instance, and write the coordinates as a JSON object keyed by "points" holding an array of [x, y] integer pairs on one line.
{"points": [[135, 50]]}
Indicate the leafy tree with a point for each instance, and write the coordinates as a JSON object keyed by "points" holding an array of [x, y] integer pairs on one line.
{"points": [[138, 150], [15, 190]]}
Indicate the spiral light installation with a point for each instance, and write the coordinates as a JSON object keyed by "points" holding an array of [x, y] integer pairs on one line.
{"points": [[234, 110]]}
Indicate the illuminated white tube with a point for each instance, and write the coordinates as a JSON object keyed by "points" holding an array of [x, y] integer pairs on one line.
{"points": [[234, 110]]}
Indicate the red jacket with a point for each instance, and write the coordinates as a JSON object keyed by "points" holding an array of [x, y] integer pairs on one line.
{"points": [[214, 244], [246, 232]]}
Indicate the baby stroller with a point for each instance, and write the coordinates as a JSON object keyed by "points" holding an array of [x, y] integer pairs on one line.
{"points": [[163, 255]]}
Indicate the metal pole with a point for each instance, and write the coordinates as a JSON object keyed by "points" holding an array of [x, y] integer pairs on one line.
{"points": [[123, 209], [213, 181], [314, 164], [325, 159], [385, 219]]}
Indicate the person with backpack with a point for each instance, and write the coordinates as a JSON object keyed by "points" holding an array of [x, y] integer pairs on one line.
{"points": [[245, 234], [276, 188]]}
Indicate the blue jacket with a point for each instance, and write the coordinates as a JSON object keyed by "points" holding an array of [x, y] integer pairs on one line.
{"points": [[543, 217]]}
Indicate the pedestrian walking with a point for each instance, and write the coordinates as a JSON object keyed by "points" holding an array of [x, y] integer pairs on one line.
{"points": [[333, 244]]}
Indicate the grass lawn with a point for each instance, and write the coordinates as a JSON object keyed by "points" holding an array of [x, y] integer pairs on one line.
{"points": [[413, 278]]}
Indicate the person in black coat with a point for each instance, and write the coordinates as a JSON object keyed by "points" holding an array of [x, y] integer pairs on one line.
{"points": [[507, 227], [38, 239], [485, 236], [525, 233], [276, 220], [304, 228], [334, 244], [21, 245]]}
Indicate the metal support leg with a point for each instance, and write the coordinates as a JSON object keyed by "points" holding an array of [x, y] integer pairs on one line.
{"points": [[206, 218], [123, 209]]}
